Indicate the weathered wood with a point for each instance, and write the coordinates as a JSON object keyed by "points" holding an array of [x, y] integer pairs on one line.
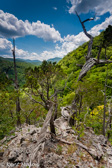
{"points": [[42, 136], [86, 67], [87, 34], [18, 108], [90, 62], [52, 127], [45, 125], [97, 156], [71, 119]]}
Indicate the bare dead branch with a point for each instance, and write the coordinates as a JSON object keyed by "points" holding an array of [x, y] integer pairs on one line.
{"points": [[88, 35], [94, 156], [42, 97], [89, 64], [104, 61], [86, 67], [83, 26], [89, 19], [79, 65], [98, 57], [109, 86]]}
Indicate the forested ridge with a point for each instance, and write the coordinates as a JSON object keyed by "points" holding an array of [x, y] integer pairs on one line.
{"points": [[48, 88], [89, 91], [6, 66]]}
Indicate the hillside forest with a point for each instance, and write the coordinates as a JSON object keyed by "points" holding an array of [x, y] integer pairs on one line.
{"points": [[81, 81]]}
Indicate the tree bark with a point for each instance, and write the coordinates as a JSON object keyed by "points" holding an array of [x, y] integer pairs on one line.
{"points": [[56, 107], [74, 109], [18, 109], [52, 127], [88, 35], [71, 119], [90, 62], [104, 111]]}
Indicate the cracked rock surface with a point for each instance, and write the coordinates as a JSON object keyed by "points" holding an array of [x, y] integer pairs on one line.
{"points": [[92, 151]]}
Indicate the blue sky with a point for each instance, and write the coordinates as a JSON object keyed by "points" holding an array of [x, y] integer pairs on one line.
{"points": [[46, 29]]}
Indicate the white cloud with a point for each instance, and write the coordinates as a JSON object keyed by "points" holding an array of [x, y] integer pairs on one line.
{"points": [[68, 44], [6, 51], [98, 28], [71, 42], [5, 46], [84, 6], [11, 27], [57, 47], [55, 8], [97, 18]]}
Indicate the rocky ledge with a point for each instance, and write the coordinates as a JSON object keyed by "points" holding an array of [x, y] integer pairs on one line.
{"points": [[63, 151]]}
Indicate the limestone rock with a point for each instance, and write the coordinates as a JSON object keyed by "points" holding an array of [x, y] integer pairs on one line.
{"points": [[66, 151], [65, 112]]}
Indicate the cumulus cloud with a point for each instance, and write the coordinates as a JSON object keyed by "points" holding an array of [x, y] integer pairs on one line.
{"points": [[11, 27], [71, 42], [5, 46], [98, 28], [84, 6], [68, 44], [6, 51]]}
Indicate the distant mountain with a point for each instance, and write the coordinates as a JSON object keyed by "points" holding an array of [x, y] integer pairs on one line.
{"points": [[11, 59], [6, 64], [37, 62], [34, 62], [56, 59]]}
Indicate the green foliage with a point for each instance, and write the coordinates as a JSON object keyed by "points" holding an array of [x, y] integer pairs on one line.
{"points": [[7, 117], [90, 91], [108, 36], [42, 81], [92, 86], [4, 81], [6, 66], [94, 119], [68, 98], [59, 149], [47, 73], [79, 128], [30, 113]]}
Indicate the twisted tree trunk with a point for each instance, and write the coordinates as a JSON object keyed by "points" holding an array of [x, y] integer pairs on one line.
{"points": [[90, 62]]}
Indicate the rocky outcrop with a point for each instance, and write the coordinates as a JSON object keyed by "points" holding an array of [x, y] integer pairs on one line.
{"points": [[63, 151]]}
